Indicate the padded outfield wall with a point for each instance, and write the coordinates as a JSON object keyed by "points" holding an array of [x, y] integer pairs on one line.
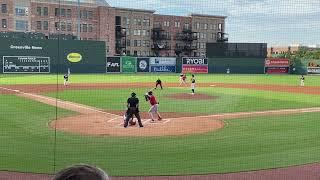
{"points": [[21, 55], [242, 58]]}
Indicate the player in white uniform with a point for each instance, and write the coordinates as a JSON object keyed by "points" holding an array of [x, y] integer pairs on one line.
{"points": [[302, 80], [193, 83]]}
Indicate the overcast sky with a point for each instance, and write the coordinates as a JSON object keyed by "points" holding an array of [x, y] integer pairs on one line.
{"points": [[276, 22]]}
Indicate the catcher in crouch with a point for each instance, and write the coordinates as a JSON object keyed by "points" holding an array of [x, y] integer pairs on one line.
{"points": [[154, 106]]}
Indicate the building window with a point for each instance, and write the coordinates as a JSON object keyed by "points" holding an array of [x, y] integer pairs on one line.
{"points": [[143, 32], [21, 11], [57, 26], [68, 13], [205, 26], [177, 24], [39, 25], [39, 11], [85, 27], [4, 8], [139, 22], [21, 25], [63, 26], [128, 21], [69, 27], [90, 28], [63, 12], [45, 11], [204, 35], [90, 14], [84, 14], [220, 27], [139, 43], [128, 42], [186, 25], [3, 23], [213, 36], [45, 25], [56, 12], [135, 43], [166, 23], [135, 53]]}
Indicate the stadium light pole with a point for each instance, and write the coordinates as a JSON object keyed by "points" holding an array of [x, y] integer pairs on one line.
{"points": [[78, 20]]}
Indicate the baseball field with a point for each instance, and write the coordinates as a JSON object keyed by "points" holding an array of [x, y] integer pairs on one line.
{"points": [[233, 123]]}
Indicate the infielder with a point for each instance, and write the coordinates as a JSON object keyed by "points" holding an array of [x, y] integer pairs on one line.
{"points": [[66, 80], [182, 79], [154, 105], [302, 80], [158, 83], [193, 83]]}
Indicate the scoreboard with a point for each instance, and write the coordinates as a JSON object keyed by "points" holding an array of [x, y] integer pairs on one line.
{"points": [[26, 64]]}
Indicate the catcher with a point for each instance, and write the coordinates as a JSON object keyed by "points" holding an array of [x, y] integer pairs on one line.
{"points": [[133, 109]]}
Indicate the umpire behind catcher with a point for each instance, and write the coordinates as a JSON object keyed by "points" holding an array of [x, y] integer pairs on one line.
{"points": [[133, 109]]}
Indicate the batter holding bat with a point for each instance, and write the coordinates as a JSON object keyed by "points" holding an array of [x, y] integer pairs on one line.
{"points": [[154, 105]]}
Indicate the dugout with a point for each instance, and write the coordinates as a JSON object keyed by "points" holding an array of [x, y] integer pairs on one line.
{"points": [[38, 55], [243, 58]]}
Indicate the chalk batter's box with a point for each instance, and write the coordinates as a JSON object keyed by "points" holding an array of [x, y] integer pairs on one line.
{"points": [[26, 64], [195, 65]]}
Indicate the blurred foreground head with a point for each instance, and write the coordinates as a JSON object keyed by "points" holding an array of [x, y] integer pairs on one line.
{"points": [[81, 172]]}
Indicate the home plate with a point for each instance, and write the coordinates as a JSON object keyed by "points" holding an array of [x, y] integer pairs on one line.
{"points": [[212, 85], [16, 90]]}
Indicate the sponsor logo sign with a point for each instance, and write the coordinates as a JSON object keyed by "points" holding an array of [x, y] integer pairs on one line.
{"points": [[277, 62], [277, 70], [314, 66], [195, 65], [128, 64], [113, 65], [163, 69], [142, 64], [195, 61], [194, 69], [162, 61], [74, 57]]}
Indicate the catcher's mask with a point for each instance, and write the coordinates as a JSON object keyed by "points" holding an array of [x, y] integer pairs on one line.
{"points": [[150, 93], [133, 94]]}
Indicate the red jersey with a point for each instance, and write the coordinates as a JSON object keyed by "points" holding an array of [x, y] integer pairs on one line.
{"points": [[153, 100]]}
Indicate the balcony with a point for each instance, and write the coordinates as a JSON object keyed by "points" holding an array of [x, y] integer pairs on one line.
{"points": [[186, 37], [159, 47]]}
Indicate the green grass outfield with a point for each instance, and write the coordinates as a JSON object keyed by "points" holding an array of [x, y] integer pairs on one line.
{"points": [[27, 144], [123, 78]]}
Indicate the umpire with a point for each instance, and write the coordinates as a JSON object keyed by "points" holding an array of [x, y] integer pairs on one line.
{"points": [[133, 109]]}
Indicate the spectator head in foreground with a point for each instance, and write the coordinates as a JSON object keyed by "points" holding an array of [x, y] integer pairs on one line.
{"points": [[81, 172]]}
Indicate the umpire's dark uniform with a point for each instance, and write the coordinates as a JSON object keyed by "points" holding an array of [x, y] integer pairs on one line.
{"points": [[133, 109]]}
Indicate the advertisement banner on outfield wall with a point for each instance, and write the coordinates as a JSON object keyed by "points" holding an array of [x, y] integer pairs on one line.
{"points": [[163, 69], [277, 70], [163, 64], [128, 64], [195, 65], [314, 66], [277, 62], [169, 61], [113, 65], [143, 64], [194, 69]]}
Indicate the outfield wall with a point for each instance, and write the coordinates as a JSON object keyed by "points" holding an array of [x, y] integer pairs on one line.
{"points": [[20, 55]]}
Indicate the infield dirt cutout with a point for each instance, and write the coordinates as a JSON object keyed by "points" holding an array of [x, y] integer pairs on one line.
{"points": [[97, 122]]}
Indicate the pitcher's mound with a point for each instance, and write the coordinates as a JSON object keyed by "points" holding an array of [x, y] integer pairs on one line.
{"points": [[189, 96]]}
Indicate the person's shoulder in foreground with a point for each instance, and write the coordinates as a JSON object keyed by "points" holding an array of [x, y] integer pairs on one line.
{"points": [[81, 172]]}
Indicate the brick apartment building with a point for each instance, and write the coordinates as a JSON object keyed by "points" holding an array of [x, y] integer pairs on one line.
{"points": [[128, 31]]}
